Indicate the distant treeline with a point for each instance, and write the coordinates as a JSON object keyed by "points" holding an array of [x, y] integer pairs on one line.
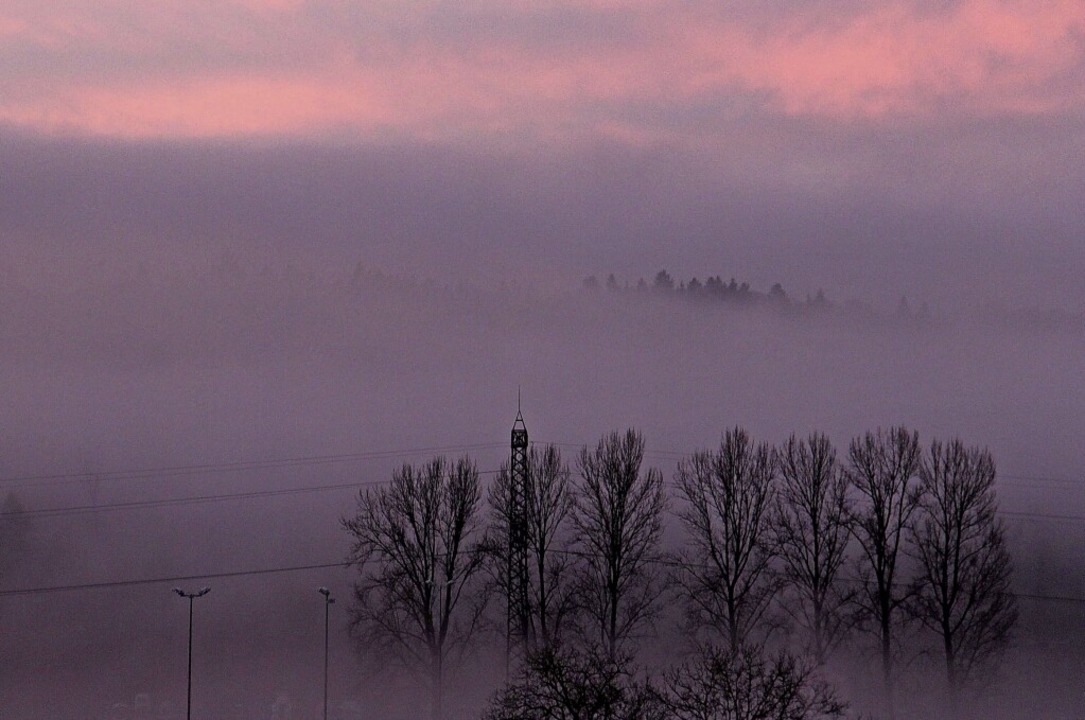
{"points": [[713, 288], [716, 289]]}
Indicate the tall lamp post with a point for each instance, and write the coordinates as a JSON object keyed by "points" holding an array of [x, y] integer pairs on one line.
{"points": [[328, 600], [191, 596]]}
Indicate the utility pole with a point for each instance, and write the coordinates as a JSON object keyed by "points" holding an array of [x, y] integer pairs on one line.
{"points": [[191, 597], [328, 600]]}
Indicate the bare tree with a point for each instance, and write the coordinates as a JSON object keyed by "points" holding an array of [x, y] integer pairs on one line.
{"points": [[725, 575], [563, 684], [746, 684], [414, 544], [882, 467], [548, 506], [618, 519], [812, 527], [963, 592]]}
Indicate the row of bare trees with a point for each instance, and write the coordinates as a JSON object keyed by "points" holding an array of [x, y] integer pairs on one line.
{"points": [[775, 540]]}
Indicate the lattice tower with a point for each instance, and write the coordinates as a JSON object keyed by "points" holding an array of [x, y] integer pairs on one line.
{"points": [[519, 607]]}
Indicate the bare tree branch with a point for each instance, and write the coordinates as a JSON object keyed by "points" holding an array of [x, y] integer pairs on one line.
{"points": [[413, 542], [963, 592], [746, 684], [882, 467], [728, 495], [563, 684], [618, 518], [812, 527]]}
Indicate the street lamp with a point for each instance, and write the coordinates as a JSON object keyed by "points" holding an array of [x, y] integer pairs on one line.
{"points": [[328, 600], [191, 597]]}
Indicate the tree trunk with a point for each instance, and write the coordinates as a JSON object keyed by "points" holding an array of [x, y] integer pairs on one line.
{"points": [[819, 633], [887, 668], [437, 688], [951, 678]]}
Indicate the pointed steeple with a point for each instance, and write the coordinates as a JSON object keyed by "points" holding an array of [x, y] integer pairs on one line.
{"points": [[519, 429]]}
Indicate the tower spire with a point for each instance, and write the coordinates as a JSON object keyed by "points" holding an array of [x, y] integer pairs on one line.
{"points": [[519, 613]]}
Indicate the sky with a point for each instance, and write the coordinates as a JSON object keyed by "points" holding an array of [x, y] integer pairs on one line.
{"points": [[233, 232], [822, 144], [642, 71]]}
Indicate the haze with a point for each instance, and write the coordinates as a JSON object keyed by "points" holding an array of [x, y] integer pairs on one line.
{"points": [[292, 245]]}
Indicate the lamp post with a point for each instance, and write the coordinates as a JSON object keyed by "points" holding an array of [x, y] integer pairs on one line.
{"points": [[328, 600], [191, 596]]}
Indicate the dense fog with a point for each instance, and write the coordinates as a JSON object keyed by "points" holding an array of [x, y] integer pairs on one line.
{"points": [[199, 322]]}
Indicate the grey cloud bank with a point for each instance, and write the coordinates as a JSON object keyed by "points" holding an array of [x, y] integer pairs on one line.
{"points": [[958, 215]]}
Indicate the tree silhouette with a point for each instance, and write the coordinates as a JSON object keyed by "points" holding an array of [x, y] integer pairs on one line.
{"points": [[963, 592], [746, 684], [564, 684], [663, 282], [728, 496], [812, 527], [618, 517], [882, 467], [414, 543]]}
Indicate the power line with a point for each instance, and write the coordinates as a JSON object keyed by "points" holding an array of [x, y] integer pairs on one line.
{"points": [[1024, 480], [673, 562], [241, 465], [1034, 479], [1040, 516], [166, 579], [257, 494], [199, 499], [1048, 598], [311, 460], [165, 502], [670, 562]]}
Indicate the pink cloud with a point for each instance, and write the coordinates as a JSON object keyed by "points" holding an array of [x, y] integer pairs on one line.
{"points": [[11, 27], [288, 67], [225, 106], [988, 54]]}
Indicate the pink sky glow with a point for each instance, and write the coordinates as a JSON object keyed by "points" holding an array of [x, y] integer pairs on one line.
{"points": [[418, 70]]}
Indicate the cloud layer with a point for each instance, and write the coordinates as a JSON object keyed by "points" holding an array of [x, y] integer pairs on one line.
{"points": [[645, 70]]}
